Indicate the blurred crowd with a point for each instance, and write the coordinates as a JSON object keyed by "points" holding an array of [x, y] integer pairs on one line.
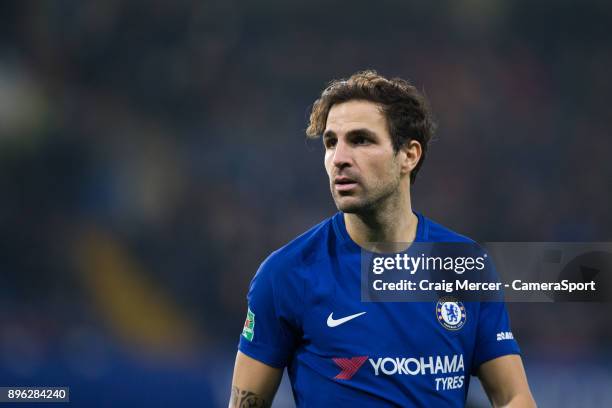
{"points": [[152, 154]]}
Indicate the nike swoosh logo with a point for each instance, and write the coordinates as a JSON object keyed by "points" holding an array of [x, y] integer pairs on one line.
{"points": [[331, 322]]}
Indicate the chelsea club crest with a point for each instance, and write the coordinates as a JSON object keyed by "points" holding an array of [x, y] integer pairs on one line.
{"points": [[451, 313]]}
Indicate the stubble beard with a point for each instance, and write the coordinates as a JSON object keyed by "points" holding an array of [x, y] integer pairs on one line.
{"points": [[373, 200]]}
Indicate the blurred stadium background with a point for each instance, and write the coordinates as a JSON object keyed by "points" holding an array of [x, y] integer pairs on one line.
{"points": [[152, 154]]}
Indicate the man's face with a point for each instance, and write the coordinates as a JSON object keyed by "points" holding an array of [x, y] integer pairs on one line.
{"points": [[360, 161]]}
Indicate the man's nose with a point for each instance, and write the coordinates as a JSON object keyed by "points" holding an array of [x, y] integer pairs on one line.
{"points": [[342, 155]]}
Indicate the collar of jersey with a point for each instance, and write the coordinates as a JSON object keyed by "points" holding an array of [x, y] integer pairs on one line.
{"points": [[345, 239]]}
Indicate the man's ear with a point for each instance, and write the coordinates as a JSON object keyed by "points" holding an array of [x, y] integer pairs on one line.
{"points": [[410, 154]]}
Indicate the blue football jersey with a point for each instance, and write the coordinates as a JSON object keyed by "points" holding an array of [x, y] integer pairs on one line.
{"points": [[305, 313]]}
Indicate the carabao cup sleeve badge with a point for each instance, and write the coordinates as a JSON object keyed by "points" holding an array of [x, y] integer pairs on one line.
{"points": [[249, 326]]}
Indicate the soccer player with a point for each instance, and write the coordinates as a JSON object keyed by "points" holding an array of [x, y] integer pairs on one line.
{"points": [[304, 304]]}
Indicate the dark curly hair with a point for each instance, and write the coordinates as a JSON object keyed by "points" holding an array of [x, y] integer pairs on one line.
{"points": [[405, 108]]}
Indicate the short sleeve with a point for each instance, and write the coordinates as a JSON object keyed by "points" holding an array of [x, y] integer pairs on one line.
{"points": [[270, 331], [494, 337]]}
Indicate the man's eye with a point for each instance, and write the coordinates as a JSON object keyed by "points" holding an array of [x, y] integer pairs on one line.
{"points": [[361, 141], [330, 143]]}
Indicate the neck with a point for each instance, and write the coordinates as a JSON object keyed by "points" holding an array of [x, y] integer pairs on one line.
{"points": [[392, 222]]}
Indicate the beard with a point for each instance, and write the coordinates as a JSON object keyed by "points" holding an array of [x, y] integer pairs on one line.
{"points": [[367, 199]]}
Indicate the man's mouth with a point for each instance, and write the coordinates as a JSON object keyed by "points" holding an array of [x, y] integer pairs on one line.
{"points": [[344, 183]]}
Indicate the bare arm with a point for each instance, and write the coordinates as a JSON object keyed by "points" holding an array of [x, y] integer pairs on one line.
{"points": [[254, 383], [505, 382]]}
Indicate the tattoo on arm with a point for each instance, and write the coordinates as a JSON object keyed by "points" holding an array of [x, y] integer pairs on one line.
{"points": [[246, 399]]}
